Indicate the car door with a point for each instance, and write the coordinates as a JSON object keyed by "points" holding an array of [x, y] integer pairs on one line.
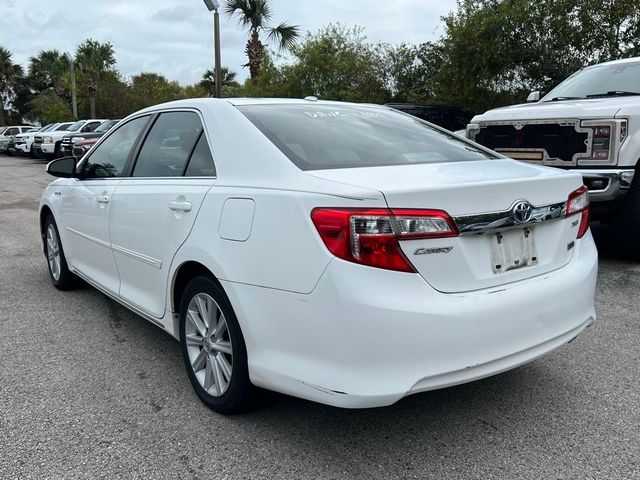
{"points": [[86, 206], [153, 209]]}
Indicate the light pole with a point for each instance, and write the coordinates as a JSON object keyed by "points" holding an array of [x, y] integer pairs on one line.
{"points": [[213, 6], [74, 103]]}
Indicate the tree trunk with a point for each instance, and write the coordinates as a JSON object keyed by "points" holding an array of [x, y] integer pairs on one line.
{"points": [[255, 53], [92, 104], [1, 114]]}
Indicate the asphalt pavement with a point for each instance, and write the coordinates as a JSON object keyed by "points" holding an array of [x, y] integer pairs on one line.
{"points": [[90, 390]]}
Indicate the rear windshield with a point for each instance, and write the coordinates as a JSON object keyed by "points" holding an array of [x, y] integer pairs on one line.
{"points": [[317, 137]]}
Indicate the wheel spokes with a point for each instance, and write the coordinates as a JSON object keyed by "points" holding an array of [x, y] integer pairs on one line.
{"points": [[208, 344]]}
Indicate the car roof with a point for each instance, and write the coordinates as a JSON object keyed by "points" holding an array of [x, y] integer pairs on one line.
{"points": [[617, 62], [208, 102]]}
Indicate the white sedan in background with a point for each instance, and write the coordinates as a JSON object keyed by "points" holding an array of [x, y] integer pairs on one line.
{"points": [[347, 254]]}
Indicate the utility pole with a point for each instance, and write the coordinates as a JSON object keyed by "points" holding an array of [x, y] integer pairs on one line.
{"points": [[216, 41], [74, 102], [213, 6]]}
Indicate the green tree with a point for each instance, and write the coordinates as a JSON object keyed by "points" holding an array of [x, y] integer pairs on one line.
{"points": [[494, 52], [47, 107], [337, 63], [48, 71], [208, 82], [94, 59], [10, 78], [255, 15], [152, 88]]}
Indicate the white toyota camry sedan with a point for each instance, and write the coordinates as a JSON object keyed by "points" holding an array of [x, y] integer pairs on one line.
{"points": [[347, 254]]}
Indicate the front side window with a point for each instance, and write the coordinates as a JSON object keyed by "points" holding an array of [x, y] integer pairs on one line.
{"points": [[110, 157], [11, 131], [90, 126], [318, 136], [168, 145]]}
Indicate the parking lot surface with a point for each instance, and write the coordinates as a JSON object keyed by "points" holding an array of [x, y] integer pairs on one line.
{"points": [[90, 390]]}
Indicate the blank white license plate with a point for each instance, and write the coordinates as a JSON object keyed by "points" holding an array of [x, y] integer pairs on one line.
{"points": [[513, 249]]}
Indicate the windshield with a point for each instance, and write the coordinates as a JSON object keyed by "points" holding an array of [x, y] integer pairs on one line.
{"points": [[76, 126], [46, 128], [617, 79], [103, 128], [2, 129], [318, 137]]}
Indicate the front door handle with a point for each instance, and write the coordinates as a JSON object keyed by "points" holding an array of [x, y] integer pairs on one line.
{"points": [[102, 198], [180, 206]]}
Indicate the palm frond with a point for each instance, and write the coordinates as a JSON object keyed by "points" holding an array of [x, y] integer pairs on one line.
{"points": [[284, 35]]}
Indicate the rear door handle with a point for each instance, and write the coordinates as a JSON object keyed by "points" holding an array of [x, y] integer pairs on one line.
{"points": [[180, 206], [102, 198]]}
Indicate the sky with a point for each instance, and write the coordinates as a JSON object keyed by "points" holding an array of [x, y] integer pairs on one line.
{"points": [[175, 37]]}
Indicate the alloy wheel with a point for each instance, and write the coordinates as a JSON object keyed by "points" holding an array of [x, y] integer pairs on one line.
{"points": [[209, 344], [53, 252]]}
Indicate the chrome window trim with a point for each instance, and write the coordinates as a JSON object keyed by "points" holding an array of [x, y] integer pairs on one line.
{"points": [[505, 219]]}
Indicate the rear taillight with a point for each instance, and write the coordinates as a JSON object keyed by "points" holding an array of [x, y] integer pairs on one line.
{"points": [[370, 236], [578, 202]]}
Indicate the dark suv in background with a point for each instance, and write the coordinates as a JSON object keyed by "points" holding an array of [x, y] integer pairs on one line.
{"points": [[449, 117]]}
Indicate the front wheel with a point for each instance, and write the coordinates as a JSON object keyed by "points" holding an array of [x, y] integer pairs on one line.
{"points": [[626, 223], [213, 348]]}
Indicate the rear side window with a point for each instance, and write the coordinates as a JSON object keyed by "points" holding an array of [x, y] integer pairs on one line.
{"points": [[168, 145], [110, 157], [326, 136], [201, 162]]}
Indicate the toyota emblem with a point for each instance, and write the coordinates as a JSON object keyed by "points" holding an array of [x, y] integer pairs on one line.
{"points": [[522, 212]]}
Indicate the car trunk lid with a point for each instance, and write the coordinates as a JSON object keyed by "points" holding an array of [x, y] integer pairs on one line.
{"points": [[493, 248]]}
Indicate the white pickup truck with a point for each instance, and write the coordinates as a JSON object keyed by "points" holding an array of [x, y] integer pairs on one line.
{"points": [[48, 144], [590, 123]]}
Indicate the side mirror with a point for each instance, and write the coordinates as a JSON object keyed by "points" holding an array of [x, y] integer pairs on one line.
{"points": [[62, 167], [534, 96]]}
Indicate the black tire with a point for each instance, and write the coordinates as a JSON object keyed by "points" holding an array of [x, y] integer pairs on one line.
{"points": [[240, 393], [66, 279], [56, 151], [32, 153], [626, 223]]}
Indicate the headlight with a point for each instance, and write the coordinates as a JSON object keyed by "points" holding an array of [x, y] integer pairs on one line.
{"points": [[606, 138], [77, 139], [47, 140]]}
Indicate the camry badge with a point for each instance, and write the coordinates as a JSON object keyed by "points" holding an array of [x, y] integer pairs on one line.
{"points": [[429, 251], [522, 212]]}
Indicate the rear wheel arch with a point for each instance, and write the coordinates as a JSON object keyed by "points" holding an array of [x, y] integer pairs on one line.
{"points": [[181, 278]]}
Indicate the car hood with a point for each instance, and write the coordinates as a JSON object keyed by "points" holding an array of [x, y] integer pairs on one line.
{"points": [[587, 108]]}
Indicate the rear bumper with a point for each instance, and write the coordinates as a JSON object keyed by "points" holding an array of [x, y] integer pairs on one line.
{"points": [[368, 337]]}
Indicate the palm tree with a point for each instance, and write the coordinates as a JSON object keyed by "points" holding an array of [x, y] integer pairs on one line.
{"points": [[255, 16], [94, 59], [10, 77], [47, 70], [208, 82]]}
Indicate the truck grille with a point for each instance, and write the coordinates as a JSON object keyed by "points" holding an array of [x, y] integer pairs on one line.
{"points": [[560, 142], [37, 140]]}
